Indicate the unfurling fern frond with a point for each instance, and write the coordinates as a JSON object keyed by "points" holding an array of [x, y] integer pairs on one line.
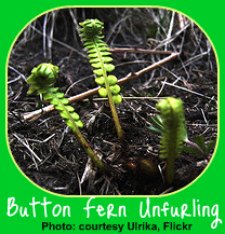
{"points": [[100, 59], [42, 78], [174, 131], [42, 81]]}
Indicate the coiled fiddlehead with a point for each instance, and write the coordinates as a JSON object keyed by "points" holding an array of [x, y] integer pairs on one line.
{"points": [[41, 81], [100, 60], [173, 134]]}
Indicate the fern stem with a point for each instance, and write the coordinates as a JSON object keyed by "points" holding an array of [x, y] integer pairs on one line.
{"points": [[93, 156], [118, 127], [98, 163], [112, 106], [170, 168]]}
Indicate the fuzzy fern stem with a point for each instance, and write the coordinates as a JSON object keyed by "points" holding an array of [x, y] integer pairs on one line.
{"points": [[100, 59], [42, 81]]}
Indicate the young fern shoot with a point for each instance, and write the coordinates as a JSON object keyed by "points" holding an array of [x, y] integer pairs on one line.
{"points": [[100, 59], [173, 134], [42, 81]]}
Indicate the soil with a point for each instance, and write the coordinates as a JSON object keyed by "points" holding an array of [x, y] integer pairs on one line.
{"points": [[46, 150]]}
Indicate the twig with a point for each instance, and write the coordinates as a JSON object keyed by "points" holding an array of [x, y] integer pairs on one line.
{"points": [[182, 21], [113, 50], [127, 98], [34, 115], [33, 154], [59, 42], [170, 29], [17, 72], [187, 90], [140, 50]]}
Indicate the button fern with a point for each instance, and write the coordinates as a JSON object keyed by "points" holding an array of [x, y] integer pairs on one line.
{"points": [[100, 59], [173, 132], [41, 81]]}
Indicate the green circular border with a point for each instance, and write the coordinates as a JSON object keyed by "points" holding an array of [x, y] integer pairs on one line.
{"points": [[113, 6]]}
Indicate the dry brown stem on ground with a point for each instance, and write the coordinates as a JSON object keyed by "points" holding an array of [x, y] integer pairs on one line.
{"points": [[32, 116]]}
